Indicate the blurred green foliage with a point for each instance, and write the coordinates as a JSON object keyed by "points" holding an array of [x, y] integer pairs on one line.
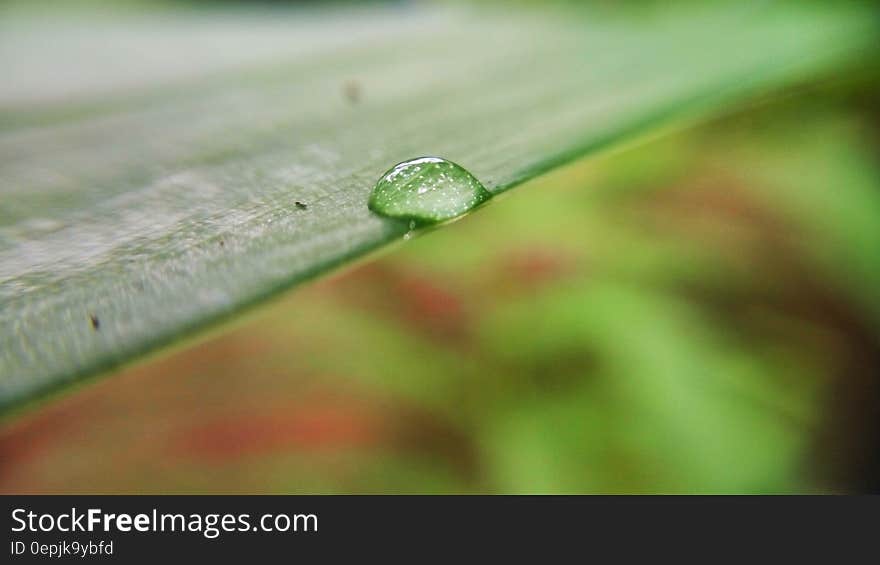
{"points": [[697, 314]]}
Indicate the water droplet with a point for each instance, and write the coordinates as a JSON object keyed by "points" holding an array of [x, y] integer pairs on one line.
{"points": [[427, 190]]}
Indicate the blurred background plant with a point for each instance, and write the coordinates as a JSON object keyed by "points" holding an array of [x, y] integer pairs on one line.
{"points": [[698, 313]]}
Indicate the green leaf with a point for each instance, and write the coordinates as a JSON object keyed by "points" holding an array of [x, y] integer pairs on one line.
{"points": [[151, 164]]}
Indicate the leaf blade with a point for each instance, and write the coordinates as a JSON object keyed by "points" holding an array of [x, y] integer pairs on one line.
{"points": [[163, 200]]}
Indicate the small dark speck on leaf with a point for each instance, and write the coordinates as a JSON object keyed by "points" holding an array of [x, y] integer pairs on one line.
{"points": [[222, 243], [301, 205], [96, 323], [352, 91]]}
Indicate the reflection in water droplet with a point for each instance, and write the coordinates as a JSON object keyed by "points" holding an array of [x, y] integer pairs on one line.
{"points": [[427, 190]]}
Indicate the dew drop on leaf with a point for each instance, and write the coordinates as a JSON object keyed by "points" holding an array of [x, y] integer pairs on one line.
{"points": [[427, 190]]}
